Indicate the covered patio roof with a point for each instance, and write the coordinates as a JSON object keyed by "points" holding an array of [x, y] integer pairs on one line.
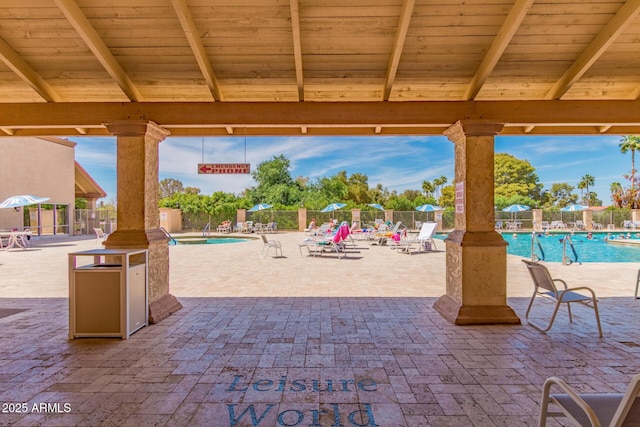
{"points": [[296, 67]]}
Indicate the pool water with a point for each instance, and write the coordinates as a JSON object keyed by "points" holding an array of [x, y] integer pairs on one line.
{"points": [[594, 250], [208, 240]]}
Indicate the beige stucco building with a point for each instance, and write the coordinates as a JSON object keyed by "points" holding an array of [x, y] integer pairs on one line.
{"points": [[43, 167]]}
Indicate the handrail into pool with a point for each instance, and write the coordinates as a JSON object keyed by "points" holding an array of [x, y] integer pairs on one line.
{"points": [[565, 258], [168, 235], [207, 230], [534, 256]]}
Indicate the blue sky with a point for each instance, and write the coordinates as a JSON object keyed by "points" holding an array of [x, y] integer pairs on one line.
{"points": [[398, 163]]}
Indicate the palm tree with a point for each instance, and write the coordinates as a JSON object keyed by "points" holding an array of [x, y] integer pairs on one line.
{"points": [[616, 194], [631, 143], [585, 182], [439, 182], [428, 188]]}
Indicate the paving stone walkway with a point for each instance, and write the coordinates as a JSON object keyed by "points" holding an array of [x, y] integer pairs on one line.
{"points": [[301, 341]]}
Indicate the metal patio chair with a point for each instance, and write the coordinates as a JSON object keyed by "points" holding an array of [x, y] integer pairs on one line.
{"points": [[611, 409], [545, 287]]}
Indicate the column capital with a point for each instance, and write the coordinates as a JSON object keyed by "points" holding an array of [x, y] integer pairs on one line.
{"points": [[460, 129], [135, 128]]}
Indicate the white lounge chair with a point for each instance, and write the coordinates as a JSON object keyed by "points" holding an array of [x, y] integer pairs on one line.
{"points": [[101, 236], [424, 240], [611, 409]]}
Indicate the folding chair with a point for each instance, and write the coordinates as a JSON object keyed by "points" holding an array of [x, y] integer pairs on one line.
{"points": [[545, 287], [613, 409]]}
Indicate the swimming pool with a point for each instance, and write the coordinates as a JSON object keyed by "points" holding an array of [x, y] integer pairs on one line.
{"points": [[595, 250], [208, 240]]}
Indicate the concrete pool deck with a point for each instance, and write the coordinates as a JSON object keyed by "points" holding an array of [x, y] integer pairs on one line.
{"points": [[299, 340]]}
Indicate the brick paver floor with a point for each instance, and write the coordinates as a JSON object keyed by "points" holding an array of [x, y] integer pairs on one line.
{"points": [[301, 341]]}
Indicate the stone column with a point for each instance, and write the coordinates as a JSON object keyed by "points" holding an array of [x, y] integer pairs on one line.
{"points": [[302, 219], [138, 213], [587, 219], [241, 215], [388, 215], [438, 217], [537, 219], [476, 254], [355, 218]]}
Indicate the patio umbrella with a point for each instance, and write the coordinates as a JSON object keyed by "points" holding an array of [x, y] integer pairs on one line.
{"points": [[516, 208], [23, 200], [574, 208], [428, 208], [376, 205], [259, 207], [333, 207]]}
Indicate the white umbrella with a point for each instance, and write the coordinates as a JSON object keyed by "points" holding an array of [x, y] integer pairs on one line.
{"points": [[259, 207], [333, 207], [376, 205], [516, 208], [23, 200], [428, 208], [574, 208]]}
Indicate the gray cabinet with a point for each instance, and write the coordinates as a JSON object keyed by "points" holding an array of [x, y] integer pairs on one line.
{"points": [[108, 292]]}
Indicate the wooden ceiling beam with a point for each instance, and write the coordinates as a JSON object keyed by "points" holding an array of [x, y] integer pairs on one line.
{"points": [[625, 16], [398, 45], [191, 33], [321, 114], [13, 60], [500, 43], [297, 46], [79, 21]]}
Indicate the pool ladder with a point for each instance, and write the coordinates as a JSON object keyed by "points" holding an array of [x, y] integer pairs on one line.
{"points": [[166, 233], [565, 259], [536, 242]]}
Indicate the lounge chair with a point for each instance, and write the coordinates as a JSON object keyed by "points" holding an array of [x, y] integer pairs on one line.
{"points": [[611, 409], [545, 287], [424, 240], [271, 227], [268, 244], [101, 236], [335, 242]]}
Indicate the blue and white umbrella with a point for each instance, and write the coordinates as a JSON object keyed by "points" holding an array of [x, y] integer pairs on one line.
{"points": [[23, 200], [333, 207], [376, 205], [574, 208], [428, 208], [516, 208], [259, 207]]}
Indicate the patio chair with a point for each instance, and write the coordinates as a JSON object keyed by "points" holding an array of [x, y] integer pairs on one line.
{"points": [[101, 236], [268, 244], [611, 409], [545, 287], [271, 227], [424, 240]]}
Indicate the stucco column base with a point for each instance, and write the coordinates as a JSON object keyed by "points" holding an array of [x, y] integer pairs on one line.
{"points": [[476, 280], [161, 303], [459, 314]]}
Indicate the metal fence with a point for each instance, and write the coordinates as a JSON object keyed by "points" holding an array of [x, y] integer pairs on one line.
{"points": [[87, 220]]}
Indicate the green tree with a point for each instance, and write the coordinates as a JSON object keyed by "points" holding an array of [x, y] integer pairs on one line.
{"points": [[561, 195], [358, 189], [274, 183], [631, 143], [428, 188], [585, 182], [438, 183], [169, 187], [513, 176], [447, 197], [617, 194], [81, 203]]}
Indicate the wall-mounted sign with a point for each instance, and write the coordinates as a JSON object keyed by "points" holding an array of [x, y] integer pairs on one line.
{"points": [[459, 197], [222, 168]]}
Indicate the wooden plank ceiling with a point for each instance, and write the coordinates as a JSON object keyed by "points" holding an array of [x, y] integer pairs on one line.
{"points": [[219, 67]]}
